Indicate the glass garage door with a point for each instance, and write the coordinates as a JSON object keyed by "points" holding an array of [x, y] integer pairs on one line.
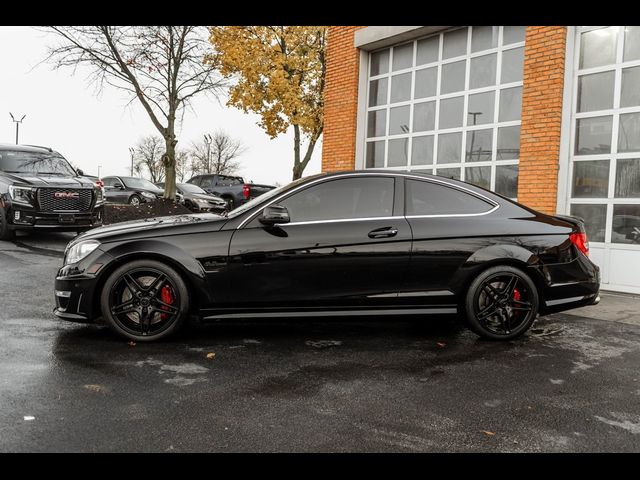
{"points": [[605, 150], [449, 104]]}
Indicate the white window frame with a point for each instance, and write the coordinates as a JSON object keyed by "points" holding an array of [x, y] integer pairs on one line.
{"points": [[615, 112], [364, 109]]}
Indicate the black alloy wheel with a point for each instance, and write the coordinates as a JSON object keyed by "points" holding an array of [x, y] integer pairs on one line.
{"points": [[134, 200], [502, 303], [145, 300]]}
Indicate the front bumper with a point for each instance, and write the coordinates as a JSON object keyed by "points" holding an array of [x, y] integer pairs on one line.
{"points": [[74, 299], [24, 218]]}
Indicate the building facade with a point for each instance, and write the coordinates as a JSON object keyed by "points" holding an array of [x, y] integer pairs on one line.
{"points": [[546, 115]]}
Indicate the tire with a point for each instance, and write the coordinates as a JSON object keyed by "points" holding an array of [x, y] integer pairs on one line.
{"points": [[230, 203], [149, 278], [6, 233], [501, 303], [134, 200]]}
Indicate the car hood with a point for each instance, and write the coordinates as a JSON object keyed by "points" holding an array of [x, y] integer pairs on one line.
{"points": [[39, 180], [153, 227], [202, 196]]}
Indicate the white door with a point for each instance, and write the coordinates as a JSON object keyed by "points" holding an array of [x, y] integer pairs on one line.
{"points": [[604, 170]]}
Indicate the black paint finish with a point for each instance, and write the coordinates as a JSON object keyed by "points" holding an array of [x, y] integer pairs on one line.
{"points": [[236, 265]]}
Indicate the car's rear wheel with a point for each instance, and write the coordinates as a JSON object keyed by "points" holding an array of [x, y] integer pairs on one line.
{"points": [[230, 203], [134, 200], [5, 232], [145, 300], [501, 303]]}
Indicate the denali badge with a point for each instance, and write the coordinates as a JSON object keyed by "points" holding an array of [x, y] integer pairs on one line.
{"points": [[66, 195]]}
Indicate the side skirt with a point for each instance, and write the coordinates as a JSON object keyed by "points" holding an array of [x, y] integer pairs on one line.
{"points": [[329, 313]]}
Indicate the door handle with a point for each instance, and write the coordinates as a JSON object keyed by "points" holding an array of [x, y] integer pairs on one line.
{"points": [[383, 232]]}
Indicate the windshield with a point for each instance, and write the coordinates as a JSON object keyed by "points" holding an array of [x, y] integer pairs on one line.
{"points": [[14, 161], [266, 196], [190, 188], [139, 183]]}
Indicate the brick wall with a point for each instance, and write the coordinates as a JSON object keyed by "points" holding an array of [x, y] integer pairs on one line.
{"points": [[341, 100], [544, 56]]}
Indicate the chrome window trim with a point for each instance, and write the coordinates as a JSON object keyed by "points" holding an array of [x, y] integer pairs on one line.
{"points": [[391, 174], [340, 220]]}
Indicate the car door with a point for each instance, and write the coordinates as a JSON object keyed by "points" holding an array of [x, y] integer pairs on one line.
{"points": [[346, 245], [444, 219], [111, 193]]}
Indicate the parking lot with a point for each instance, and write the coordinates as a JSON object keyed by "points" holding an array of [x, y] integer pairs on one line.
{"points": [[390, 384]]}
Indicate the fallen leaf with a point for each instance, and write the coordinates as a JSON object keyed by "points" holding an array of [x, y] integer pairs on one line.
{"points": [[95, 388], [132, 344], [441, 344], [491, 434], [211, 355]]}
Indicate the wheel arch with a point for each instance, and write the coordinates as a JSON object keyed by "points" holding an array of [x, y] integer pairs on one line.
{"points": [[187, 267], [501, 254]]}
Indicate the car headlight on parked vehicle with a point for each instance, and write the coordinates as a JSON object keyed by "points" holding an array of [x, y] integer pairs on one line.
{"points": [[21, 195], [148, 195], [79, 251]]}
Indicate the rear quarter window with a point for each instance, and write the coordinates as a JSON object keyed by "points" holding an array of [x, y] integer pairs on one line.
{"points": [[430, 198]]}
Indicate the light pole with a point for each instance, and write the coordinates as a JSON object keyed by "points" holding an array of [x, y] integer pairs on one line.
{"points": [[17, 122], [99, 167], [473, 135], [132, 151], [208, 140]]}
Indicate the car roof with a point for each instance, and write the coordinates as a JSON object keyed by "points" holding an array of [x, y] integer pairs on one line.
{"points": [[26, 148]]}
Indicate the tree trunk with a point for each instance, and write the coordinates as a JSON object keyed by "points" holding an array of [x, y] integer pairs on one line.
{"points": [[297, 171], [169, 162]]}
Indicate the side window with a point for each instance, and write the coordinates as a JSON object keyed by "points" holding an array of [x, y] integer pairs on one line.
{"points": [[206, 182], [228, 181], [428, 198], [343, 199], [109, 182], [196, 181]]}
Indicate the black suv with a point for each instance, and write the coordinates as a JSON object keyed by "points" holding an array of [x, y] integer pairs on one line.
{"points": [[39, 189]]}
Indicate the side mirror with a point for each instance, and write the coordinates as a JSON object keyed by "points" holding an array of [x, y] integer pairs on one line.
{"points": [[119, 186], [274, 214], [80, 172]]}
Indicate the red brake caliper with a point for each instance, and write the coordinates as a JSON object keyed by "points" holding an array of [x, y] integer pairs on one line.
{"points": [[516, 294], [166, 295]]}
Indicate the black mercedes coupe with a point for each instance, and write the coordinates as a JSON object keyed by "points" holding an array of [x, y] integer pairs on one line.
{"points": [[342, 244]]}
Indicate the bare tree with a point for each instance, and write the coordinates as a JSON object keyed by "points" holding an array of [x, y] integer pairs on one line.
{"points": [[217, 153], [183, 167], [147, 158], [161, 66]]}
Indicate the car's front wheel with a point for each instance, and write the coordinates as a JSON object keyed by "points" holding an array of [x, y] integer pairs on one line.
{"points": [[145, 300], [501, 303], [134, 200]]}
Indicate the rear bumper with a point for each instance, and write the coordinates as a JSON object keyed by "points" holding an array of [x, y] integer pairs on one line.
{"points": [[570, 285]]}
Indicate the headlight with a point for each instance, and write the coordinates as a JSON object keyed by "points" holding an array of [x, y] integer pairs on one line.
{"points": [[80, 250], [200, 201], [148, 195], [22, 195]]}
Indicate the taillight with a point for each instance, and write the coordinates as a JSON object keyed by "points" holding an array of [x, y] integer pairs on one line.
{"points": [[246, 190], [99, 183], [580, 240]]}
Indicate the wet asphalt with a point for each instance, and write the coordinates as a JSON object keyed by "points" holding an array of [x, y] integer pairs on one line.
{"points": [[572, 384]]}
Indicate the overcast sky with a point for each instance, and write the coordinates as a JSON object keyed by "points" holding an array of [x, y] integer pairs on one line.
{"points": [[63, 112]]}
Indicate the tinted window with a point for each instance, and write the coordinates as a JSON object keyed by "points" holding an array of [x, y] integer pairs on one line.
{"points": [[343, 199], [427, 198], [207, 182], [228, 181]]}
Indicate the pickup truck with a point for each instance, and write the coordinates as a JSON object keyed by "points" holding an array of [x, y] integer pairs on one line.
{"points": [[234, 190]]}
